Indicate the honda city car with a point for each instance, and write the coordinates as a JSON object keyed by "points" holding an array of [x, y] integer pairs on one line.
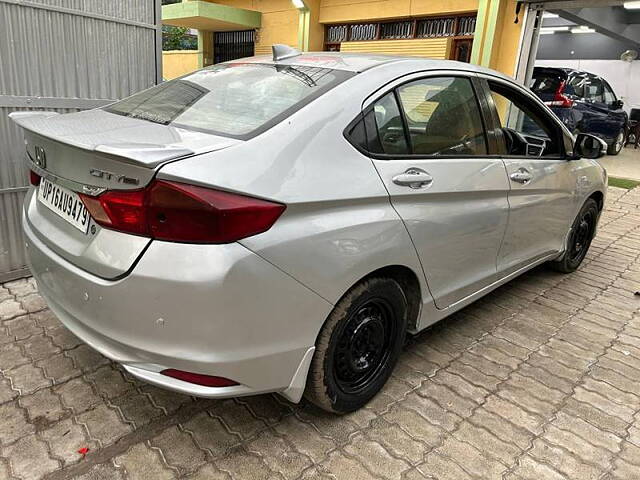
{"points": [[281, 223]]}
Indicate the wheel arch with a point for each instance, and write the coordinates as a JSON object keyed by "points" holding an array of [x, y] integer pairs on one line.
{"points": [[410, 284], [598, 196]]}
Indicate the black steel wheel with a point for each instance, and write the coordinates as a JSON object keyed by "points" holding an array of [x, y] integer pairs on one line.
{"points": [[582, 233], [358, 346], [363, 347]]}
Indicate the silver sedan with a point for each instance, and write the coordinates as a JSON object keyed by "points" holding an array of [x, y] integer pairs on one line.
{"points": [[281, 223]]}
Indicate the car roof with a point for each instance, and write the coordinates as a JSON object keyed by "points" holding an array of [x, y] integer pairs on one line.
{"points": [[359, 62], [568, 71]]}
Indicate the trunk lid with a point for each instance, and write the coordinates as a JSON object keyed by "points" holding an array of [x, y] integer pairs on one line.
{"points": [[90, 152]]}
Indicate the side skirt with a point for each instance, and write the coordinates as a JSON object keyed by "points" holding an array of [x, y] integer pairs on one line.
{"points": [[430, 314]]}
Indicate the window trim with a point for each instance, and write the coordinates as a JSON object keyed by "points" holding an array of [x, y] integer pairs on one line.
{"points": [[563, 133], [393, 86]]}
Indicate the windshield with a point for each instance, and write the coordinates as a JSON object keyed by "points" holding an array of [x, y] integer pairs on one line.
{"points": [[236, 100]]}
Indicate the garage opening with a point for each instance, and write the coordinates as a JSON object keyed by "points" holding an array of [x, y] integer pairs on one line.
{"points": [[232, 45]]}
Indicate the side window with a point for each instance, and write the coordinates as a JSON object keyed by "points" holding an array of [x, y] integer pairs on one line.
{"points": [[595, 91], [389, 127], [526, 128], [577, 83], [609, 96], [442, 117]]}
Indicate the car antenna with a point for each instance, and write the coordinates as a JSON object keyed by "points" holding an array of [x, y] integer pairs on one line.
{"points": [[282, 52]]}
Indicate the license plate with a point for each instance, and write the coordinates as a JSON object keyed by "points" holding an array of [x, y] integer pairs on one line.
{"points": [[64, 203]]}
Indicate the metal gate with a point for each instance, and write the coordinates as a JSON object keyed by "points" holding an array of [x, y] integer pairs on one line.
{"points": [[231, 45], [65, 58]]}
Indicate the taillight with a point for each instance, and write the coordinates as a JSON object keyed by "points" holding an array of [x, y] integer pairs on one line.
{"points": [[560, 99], [34, 178], [198, 378], [179, 212]]}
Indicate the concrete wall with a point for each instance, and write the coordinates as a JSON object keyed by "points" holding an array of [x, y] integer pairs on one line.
{"points": [[622, 76]]}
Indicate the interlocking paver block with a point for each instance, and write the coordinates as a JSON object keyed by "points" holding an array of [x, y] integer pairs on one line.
{"points": [[13, 423], [211, 435], [10, 308], [65, 439], [179, 449], [29, 459], [242, 465], [104, 424], [43, 408], [143, 463], [237, 418], [102, 471], [279, 455], [398, 441], [376, 458]]}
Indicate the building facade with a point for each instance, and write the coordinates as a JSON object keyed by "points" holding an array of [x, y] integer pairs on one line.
{"points": [[485, 32]]}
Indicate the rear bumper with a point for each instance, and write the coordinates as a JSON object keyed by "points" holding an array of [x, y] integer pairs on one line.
{"points": [[213, 309]]}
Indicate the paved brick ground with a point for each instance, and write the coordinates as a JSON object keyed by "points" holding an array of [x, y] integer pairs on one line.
{"points": [[539, 380]]}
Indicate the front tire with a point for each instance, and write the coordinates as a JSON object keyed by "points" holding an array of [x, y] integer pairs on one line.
{"points": [[582, 233], [616, 147], [358, 346]]}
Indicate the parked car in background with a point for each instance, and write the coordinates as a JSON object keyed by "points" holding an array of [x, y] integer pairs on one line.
{"points": [[279, 224], [584, 102]]}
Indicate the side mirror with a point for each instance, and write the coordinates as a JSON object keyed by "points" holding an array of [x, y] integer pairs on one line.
{"points": [[617, 105], [589, 146]]}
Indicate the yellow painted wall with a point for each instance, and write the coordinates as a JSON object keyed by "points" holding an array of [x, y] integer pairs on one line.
{"points": [[428, 47], [279, 21], [336, 11], [179, 62], [507, 40], [316, 29]]}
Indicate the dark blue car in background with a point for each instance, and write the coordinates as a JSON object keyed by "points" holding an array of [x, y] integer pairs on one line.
{"points": [[585, 103]]}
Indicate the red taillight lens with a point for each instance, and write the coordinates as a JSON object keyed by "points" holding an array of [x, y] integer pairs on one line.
{"points": [[560, 99], [119, 210], [198, 378], [34, 178], [179, 212]]}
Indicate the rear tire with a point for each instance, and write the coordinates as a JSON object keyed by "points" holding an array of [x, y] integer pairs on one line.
{"points": [[618, 144], [358, 346], [582, 233]]}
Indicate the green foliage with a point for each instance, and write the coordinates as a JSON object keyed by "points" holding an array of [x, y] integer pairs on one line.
{"points": [[178, 38]]}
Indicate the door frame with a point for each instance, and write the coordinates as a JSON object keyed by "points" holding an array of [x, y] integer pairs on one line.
{"points": [[494, 126]]}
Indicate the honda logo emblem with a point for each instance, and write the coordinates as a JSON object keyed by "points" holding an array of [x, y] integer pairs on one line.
{"points": [[41, 157]]}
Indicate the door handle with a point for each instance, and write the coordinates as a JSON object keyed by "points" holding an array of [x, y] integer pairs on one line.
{"points": [[414, 178], [522, 175]]}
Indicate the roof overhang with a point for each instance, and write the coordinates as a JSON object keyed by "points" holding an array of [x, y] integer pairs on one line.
{"points": [[210, 16]]}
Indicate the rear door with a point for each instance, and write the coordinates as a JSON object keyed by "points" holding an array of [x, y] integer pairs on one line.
{"points": [[542, 195], [430, 148]]}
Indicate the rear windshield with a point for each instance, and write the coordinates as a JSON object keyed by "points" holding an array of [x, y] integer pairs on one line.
{"points": [[235, 100], [545, 82]]}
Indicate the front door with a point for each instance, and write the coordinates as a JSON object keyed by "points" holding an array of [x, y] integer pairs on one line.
{"points": [[542, 194], [452, 197]]}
